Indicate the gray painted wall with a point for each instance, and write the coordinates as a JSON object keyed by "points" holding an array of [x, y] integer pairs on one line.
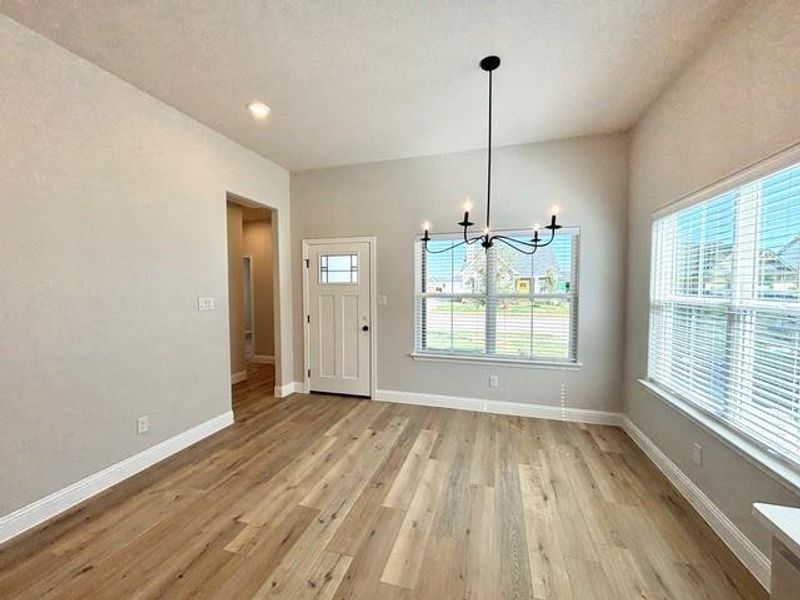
{"points": [[735, 104], [587, 177], [112, 223]]}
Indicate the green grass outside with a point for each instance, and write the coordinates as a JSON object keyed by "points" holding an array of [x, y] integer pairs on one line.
{"points": [[513, 307], [509, 344]]}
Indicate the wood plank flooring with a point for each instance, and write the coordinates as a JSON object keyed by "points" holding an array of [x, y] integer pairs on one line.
{"points": [[336, 498]]}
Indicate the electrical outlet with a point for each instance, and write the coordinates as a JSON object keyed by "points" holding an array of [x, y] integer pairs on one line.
{"points": [[205, 303], [142, 424], [697, 454], [493, 382]]}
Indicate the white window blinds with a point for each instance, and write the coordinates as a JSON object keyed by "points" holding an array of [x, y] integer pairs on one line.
{"points": [[498, 304], [725, 309]]}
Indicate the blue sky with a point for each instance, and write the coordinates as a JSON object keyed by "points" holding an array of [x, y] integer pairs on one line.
{"points": [[779, 218]]}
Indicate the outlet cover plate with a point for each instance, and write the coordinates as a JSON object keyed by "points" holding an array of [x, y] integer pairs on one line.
{"points": [[142, 424]]}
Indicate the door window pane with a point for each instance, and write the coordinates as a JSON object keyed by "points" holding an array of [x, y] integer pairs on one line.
{"points": [[338, 268]]}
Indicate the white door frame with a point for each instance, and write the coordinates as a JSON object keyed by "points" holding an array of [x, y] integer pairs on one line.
{"points": [[373, 312]]}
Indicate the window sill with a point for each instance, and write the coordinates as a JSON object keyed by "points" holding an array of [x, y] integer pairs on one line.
{"points": [[751, 451], [508, 362]]}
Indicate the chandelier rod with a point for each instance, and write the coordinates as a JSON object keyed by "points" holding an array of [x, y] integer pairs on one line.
{"points": [[489, 169], [489, 64]]}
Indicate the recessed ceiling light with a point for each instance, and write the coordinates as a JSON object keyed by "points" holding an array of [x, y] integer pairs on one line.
{"points": [[259, 110]]}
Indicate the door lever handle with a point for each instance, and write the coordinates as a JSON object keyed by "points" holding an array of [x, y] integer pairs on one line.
{"points": [[365, 328]]}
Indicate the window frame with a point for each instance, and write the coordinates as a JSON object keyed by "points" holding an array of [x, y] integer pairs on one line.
{"points": [[781, 467], [572, 362]]}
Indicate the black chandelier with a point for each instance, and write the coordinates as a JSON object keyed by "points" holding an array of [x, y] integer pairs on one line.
{"points": [[487, 239]]}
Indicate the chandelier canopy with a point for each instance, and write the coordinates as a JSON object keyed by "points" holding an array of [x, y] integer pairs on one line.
{"points": [[487, 239]]}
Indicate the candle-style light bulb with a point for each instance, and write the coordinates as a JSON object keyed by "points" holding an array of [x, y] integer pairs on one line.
{"points": [[467, 206], [553, 218], [426, 226], [537, 226]]}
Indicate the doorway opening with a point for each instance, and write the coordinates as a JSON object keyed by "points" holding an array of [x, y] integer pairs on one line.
{"points": [[252, 273]]}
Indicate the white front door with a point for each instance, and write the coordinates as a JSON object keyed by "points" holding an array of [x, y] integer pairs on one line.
{"points": [[338, 319]]}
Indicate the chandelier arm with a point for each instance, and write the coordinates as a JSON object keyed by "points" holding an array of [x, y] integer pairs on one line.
{"points": [[508, 242], [471, 240], [528, 252], [449, 248], [550, 241], [443, 250], [476, 238], [516, 241]]}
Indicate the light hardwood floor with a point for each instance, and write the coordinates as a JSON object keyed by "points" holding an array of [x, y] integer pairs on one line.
{"points": [[328, 497]]}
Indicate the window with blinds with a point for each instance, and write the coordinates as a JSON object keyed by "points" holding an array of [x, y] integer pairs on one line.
{"points": [[498, 303], [725, 309]]}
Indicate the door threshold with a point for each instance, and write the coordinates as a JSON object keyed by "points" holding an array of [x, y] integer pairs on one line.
{"points": [[357, 396]]}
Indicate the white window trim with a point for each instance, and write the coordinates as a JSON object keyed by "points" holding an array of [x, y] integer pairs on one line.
{"points": [[542, 363], [767, 461], [511, 362]]}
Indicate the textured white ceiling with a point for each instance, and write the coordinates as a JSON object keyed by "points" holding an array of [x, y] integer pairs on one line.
{"points": [[356, 80]]}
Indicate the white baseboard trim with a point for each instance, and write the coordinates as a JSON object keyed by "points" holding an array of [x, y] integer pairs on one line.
{"points": [[263, 359], [293, 387], [238, 377], [539, 411], [750, 556], [36, 513]]}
